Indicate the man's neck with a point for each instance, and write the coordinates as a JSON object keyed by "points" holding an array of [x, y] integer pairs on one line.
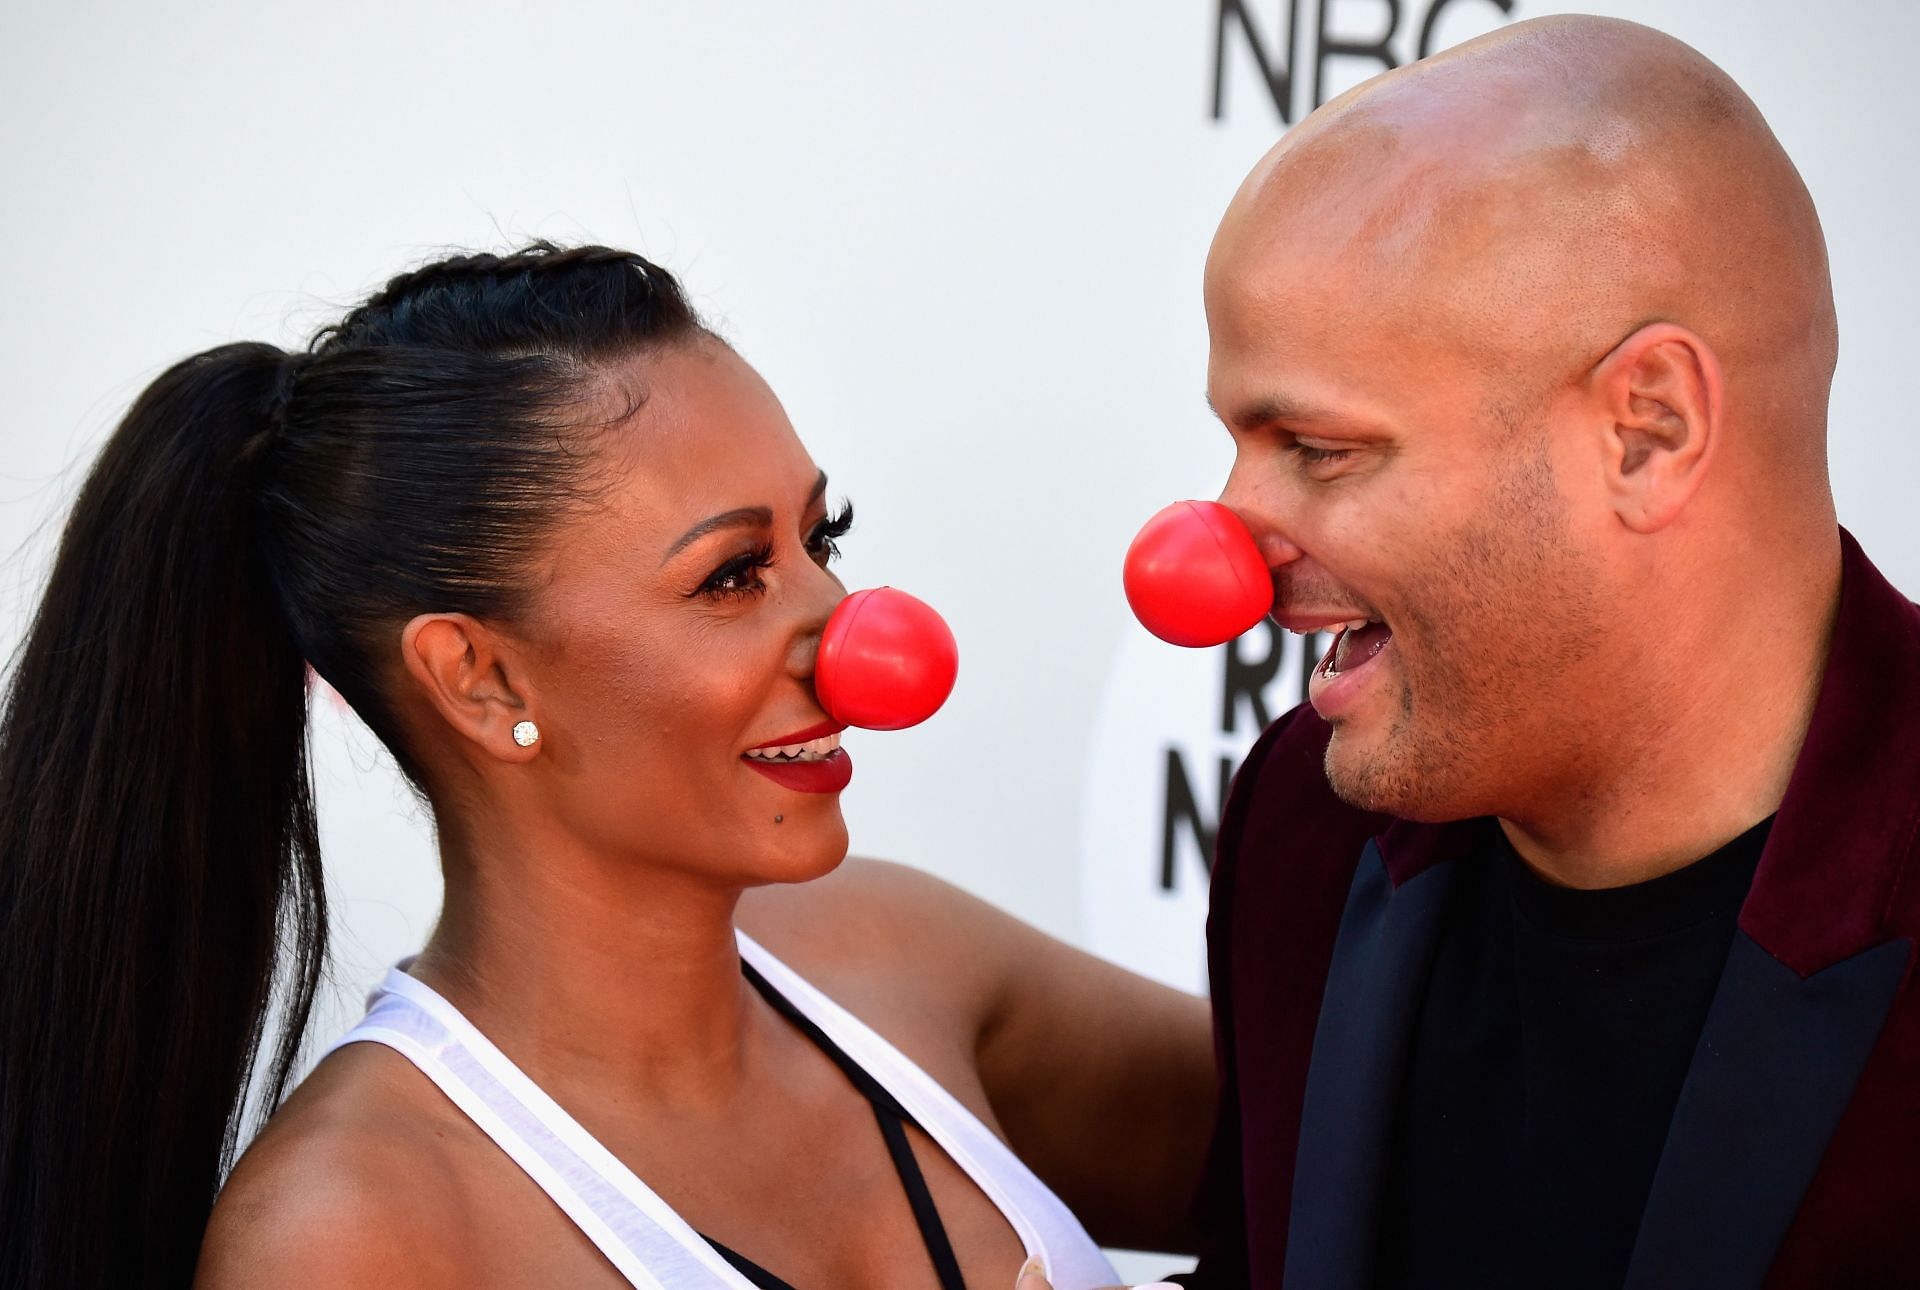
{"points": [[1703, 750]]}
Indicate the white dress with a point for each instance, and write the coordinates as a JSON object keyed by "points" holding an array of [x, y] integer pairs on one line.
{"points": [[639, 1233]]}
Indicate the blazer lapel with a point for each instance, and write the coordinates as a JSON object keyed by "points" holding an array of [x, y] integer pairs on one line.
{"points": [[1776, 1063], [1372, 999], [1813, 969]]}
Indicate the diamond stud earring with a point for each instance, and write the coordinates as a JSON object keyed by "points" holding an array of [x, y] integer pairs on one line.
{"points": [[526, 734]]}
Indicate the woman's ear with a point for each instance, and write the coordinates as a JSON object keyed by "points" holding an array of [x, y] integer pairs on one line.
{"points": [[472, 679], [1658, 396]]}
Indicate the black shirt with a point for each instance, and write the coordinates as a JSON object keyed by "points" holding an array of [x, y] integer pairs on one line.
{"points": [[1555, 1033]]}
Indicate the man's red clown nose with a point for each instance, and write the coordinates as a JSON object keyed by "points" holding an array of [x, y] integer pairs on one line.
{"points": [[1194, 576], [887, 661]]}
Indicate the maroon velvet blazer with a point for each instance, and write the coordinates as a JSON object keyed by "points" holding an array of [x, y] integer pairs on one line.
{"points": [[1793, 1159]]}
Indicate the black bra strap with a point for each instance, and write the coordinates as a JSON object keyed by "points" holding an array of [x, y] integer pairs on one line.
{"points": [[893, 1118], [746, 1267], [925, 1212], [871, 1088]]}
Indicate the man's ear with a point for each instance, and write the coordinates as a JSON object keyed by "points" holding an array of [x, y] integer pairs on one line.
{"points": [[472, 679], [1659, 400]]}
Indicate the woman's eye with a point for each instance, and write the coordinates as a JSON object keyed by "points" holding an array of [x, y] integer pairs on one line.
{"points": [[823, 544], [738, 576]]}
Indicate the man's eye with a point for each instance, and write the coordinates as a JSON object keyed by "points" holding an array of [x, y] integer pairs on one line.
{"points": [[1318, 456]]}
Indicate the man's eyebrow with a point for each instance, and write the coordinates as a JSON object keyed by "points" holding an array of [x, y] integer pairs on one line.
{"points": [[1269, 410], [739, 517]]}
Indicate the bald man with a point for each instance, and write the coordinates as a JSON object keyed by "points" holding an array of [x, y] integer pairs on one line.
{"points": [[1562, 940]]}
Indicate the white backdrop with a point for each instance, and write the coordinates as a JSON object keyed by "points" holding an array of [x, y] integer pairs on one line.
{"points": [[963, 241]]}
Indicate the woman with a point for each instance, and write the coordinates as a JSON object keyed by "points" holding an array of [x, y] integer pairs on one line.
{"points": [[561, 550]]}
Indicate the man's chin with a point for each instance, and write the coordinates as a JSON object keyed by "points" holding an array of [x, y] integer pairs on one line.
{"points": [[1383, 780]]}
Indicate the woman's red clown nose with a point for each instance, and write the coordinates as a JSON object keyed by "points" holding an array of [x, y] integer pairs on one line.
{"points": [[887, 661], [1194, 576]]}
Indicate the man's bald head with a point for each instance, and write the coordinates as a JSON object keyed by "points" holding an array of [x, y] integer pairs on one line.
{"points": [[1530, 198], [1524, 348]]}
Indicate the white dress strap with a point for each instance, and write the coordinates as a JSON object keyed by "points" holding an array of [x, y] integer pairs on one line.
{"points": [[649, 1244], [638, 1232], [1046, 1227]]}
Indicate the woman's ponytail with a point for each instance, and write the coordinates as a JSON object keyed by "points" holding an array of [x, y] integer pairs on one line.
{"points": [[160, 885], [158, 845]]}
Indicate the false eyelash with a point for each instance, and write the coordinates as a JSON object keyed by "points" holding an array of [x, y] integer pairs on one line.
{"points": [[827, 532], [830, 530], [741, 566]]}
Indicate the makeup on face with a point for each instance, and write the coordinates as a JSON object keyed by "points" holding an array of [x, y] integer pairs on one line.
{"points": [[807, 761]]}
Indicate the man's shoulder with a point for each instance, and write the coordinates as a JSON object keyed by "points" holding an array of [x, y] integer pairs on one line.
{"points": [[1283, 809], [1292, 752]]}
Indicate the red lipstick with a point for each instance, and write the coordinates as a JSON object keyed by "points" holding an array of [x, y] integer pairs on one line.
{"points": [[828, 775], [811, 772]]}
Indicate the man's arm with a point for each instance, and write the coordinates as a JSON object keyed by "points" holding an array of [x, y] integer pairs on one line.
{"points": [[1219, 1204]]}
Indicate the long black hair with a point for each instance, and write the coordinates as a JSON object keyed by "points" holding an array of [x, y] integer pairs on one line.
{"points": [[160, 882]]}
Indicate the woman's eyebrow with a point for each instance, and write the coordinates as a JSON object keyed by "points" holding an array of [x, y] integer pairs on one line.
{"points": [[738, 517]]}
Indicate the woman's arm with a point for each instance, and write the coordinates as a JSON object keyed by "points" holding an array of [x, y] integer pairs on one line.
{"points": [[1105, 1083], [1102, 1079]]}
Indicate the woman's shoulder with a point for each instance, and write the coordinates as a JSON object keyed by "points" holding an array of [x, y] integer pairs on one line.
{"points": [[353, 1181], [887, 939]]}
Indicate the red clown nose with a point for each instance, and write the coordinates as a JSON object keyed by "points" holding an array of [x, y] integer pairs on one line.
{"points": [[887, 661], [1194, 576]]}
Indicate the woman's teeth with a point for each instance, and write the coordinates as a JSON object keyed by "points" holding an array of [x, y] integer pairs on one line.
{"points": [[813, 750]]}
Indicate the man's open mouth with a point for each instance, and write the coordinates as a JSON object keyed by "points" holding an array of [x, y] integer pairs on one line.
{"points": [[1356, 643]]}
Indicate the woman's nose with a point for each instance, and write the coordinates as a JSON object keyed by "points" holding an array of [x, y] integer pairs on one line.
{"points": [[824, 594], [886, 661]]}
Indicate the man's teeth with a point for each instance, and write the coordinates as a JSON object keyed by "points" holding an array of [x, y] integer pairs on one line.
{"points": [[813, 750], [1334, 629]]}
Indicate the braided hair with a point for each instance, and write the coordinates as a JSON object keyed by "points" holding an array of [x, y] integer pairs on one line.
{"points": [[256, 512]]}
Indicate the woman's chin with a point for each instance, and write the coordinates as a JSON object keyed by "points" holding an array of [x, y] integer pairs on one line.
{"points": [[801, 851]]}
